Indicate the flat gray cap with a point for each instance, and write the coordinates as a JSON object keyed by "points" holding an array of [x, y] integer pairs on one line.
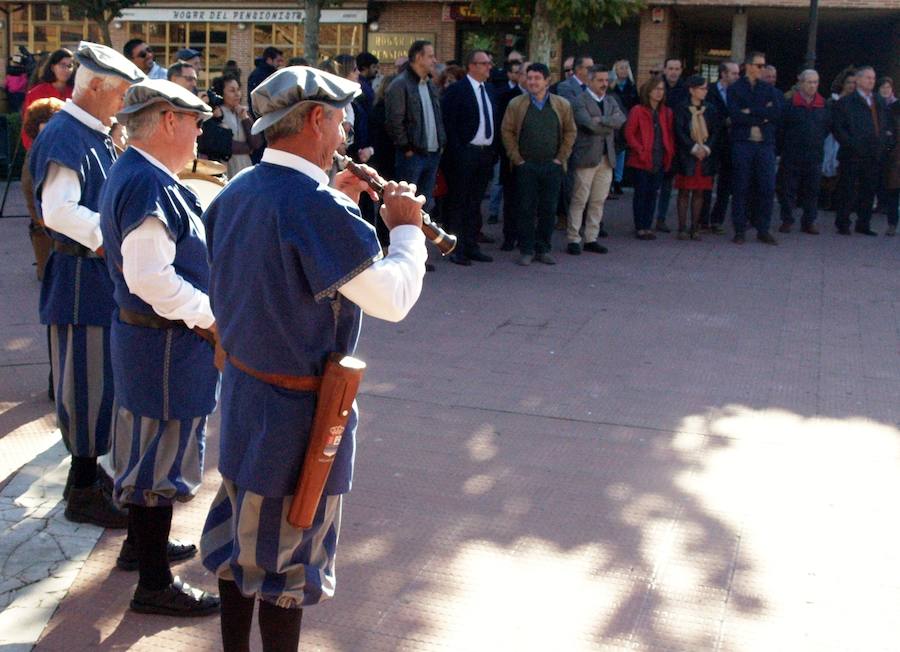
{"points": [[160, 91], [106, 61], [286, 88]]}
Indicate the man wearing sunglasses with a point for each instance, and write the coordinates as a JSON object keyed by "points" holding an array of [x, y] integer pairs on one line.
{"points": [[141, 55], [183, 74], [161, 360]]}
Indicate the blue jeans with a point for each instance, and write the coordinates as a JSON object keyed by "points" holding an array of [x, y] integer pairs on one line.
{"points": [[753, 177], [646, 190], [665, 194], [619, 172], [420, 169], [496, 192]]}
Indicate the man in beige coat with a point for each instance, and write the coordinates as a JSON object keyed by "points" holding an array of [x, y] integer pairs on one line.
{"points": [[597, 116], [538, 132]]}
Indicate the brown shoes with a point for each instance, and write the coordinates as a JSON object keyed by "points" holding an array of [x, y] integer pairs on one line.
{"points": [[810, 229]]}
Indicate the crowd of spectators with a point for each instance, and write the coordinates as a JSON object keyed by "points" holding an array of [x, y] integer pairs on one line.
{"points": [[551, 155]]}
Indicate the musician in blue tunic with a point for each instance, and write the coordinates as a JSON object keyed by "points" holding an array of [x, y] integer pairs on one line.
{"points": [[162, 359], [293, 266], [69, 162]]}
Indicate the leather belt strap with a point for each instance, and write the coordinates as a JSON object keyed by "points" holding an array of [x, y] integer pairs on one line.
{"points": [[285, 381], [148, 321], [73, 249]]}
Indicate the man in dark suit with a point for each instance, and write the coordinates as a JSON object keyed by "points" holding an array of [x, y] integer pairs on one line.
{"points": [[862, 129], [470, 122], [714, 215]]}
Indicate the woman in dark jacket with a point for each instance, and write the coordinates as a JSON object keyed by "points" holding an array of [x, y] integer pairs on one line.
{"points": [[651, 146], [625, 91], [696, 133]]}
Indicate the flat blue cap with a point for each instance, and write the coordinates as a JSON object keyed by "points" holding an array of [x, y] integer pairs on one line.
{"points": [[160, 91], [106, 61], [286, 88]]}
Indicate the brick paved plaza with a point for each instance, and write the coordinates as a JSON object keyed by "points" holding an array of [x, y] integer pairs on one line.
{"points": [[677, 446]]}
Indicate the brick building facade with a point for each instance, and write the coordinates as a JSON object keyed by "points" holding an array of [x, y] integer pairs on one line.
{"points": [[701, 32]]}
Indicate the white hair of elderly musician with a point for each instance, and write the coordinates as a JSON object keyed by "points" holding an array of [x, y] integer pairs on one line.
{"points": [[143, 124], [292, 122], [84, 76]]}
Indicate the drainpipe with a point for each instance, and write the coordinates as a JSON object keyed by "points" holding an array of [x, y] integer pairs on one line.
{"points": [[811, 36]]}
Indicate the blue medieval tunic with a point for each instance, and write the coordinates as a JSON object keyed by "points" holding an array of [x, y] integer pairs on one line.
{"points": [[76, 293], [165, 379], [281, 242]]}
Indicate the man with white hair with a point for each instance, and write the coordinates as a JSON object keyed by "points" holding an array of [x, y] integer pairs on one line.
{"points": [[805, 123], [156, 246], [279, 319], [69, 162]]}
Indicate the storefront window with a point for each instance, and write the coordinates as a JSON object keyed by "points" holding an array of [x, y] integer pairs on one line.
{"points": [[166, 39], [43, 27], [333, 39]]}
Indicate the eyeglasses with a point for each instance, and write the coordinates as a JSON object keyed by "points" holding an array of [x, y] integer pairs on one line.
{"points": [[199, 119], [568, 70], [143, 54]]}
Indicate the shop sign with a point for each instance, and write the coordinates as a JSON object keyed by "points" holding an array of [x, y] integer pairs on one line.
{"points": [[238, 15], [389, 46], [468, 12]]}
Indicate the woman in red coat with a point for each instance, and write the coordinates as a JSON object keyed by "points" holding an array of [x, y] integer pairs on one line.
{"points": [[651, 146], [55, 81]]}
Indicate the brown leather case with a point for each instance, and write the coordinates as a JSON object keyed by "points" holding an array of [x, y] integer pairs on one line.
{"points": [[340, 383]]}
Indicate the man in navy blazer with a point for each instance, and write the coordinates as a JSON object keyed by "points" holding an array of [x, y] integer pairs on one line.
{"points": [[472, 127], [714, 215]]}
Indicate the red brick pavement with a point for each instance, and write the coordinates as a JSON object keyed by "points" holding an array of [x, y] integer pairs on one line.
{"points": [[678, 446]]}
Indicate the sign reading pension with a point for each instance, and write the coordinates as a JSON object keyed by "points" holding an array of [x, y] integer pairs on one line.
{"points": [[389, 46], [238, 15]]}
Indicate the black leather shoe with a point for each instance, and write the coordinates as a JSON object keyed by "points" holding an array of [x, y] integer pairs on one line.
{"points": [[175, 550], [596, 248], [865, 231], [92, 505], [573, 248], [602, 233], [508, 245], [106, 483], [479, 257], [766, 238], [177, 599], [460, 259]]}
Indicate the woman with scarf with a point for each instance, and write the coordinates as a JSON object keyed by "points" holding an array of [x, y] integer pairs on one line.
{"points": [[696, 131]]}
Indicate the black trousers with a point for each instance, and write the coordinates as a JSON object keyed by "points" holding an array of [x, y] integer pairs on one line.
{"points": [[469, 171], [800, 189], [857, 183], [508, 181], [538, 185], [723, 190]]}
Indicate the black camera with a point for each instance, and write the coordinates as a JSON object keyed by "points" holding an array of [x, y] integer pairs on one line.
{"points": [[214, 99], [22, 63]]}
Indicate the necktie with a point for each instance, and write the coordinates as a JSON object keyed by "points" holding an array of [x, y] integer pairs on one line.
{"points": [[488, 133], [584, 87], [873, 107]]}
